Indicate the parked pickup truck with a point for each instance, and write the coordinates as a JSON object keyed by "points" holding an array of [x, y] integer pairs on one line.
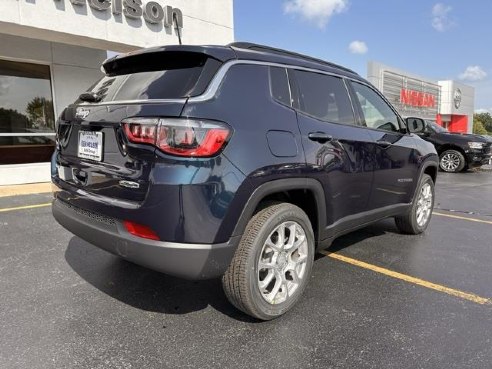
{"points": [[457, 151]]}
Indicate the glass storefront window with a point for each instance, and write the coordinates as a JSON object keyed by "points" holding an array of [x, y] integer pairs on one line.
{"points": [[27, 119]]}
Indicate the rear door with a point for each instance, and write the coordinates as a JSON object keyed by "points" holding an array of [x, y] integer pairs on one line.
{"points": [[338, 152], [396, 158], [94, 153]]}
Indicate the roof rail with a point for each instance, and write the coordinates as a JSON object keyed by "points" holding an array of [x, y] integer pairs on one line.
{"points": [[273, 50]]}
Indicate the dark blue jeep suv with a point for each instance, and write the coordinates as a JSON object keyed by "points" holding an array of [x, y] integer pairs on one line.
{"points": [[235, 161]]}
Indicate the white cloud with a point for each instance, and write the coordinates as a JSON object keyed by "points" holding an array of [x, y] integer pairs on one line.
{"points": [[358, 47], [5, 83], [440, 17], [318, 12], [473, 73], [479, 111]]}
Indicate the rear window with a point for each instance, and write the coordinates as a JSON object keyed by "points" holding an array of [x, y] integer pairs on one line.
{"points": [[156, 76]]}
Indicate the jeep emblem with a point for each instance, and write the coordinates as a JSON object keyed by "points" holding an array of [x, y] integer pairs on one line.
{"points": [[82, 113]]}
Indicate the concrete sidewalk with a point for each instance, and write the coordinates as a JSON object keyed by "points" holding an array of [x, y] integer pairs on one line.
{"points": [[486, 168], [25, 189]]}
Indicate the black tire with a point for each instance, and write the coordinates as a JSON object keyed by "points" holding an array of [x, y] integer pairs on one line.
{"points": [[408, 223], [452, 161], [241, 280]]}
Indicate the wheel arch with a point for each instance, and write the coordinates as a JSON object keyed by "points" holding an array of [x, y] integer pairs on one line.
{"points": [[429, 167], [288, 190], [431, 170]]}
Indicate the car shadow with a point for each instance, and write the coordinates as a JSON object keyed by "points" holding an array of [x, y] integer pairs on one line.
{"points": [[143, 288], [152, 291]]}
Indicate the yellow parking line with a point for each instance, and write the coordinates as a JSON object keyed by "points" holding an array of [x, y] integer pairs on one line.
{"points": [[25, 207], [433, 286], [462, 218]]}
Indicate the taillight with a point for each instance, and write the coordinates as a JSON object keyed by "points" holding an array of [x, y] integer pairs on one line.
{"points": [[141, 130], [182, 137]]}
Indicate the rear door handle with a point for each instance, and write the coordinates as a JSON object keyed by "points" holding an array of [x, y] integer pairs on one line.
{"points": [[384, 144], [320, 137]]}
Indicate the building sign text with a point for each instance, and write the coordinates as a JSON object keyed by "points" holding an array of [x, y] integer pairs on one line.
{"points": [[417, 98], [151, 11]]}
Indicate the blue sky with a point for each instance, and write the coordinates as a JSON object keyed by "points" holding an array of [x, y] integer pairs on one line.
{"points": [[437, 40]]}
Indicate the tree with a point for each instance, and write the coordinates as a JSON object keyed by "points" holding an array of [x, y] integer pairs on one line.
{"points": [[478, 127], [485, 118], [40, 111], [12, 121]]}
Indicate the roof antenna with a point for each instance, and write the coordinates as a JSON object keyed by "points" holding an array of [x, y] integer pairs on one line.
{"points": [[175, 20]]}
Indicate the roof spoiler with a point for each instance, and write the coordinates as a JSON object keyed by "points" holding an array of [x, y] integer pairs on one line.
{"points": [[164, 56]]}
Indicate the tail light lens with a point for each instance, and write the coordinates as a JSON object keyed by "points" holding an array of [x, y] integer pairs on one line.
{"points": [[141, 130], [182, 137]]}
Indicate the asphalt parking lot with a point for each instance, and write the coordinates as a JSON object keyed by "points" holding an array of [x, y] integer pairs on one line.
{"points": [[379, 300]]}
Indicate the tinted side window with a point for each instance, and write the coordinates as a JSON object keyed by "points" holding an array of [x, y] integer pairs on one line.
{"points": [[377, 113], [279, 85], [324, 97]]}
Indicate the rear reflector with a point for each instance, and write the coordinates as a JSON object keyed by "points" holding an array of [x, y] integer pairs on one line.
{"points": [[140, 230], [181, 137]]}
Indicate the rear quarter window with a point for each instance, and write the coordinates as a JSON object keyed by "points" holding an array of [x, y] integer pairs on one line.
{"points": [[279, 85]]}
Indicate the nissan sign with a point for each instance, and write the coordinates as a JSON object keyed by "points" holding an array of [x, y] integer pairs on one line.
{"points": [[151, 11], [417, 98]]}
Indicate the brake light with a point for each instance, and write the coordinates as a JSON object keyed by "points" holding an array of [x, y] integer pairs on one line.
{"points": [[140, 230], [142, 132], [182, 137]]}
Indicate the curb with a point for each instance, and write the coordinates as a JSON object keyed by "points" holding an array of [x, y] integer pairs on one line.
{"points": [[485, 168], [25, 189]]}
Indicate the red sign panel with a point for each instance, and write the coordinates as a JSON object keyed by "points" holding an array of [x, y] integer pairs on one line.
{"points": [[416, 98]]}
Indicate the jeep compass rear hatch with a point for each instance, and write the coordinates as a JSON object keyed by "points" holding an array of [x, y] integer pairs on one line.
{"points": [[106, 139]]}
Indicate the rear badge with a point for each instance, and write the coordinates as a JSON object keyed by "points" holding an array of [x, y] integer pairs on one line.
{"points": [[129, 184], [82, 113]]}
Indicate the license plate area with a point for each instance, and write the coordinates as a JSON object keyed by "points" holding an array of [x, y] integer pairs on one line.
{"points": [[90, 145]]}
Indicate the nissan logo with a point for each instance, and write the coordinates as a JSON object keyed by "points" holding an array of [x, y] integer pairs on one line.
{"points": [[457, 98]]}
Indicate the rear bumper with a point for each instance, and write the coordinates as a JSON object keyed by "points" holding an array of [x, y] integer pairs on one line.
{"points": [[189, 261]]}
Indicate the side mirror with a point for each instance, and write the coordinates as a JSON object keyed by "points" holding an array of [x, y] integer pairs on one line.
{"points": [[416, 125]]}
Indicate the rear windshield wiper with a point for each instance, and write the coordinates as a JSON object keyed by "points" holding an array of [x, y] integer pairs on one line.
{"points": [[90, 97]]}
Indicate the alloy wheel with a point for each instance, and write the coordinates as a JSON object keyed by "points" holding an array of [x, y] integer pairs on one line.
{"points": [[282, 262], [450, 162], [424, 205]]}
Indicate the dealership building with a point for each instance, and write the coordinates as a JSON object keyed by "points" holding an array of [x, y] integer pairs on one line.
{"points": [[449, 103], [52, 50]]}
